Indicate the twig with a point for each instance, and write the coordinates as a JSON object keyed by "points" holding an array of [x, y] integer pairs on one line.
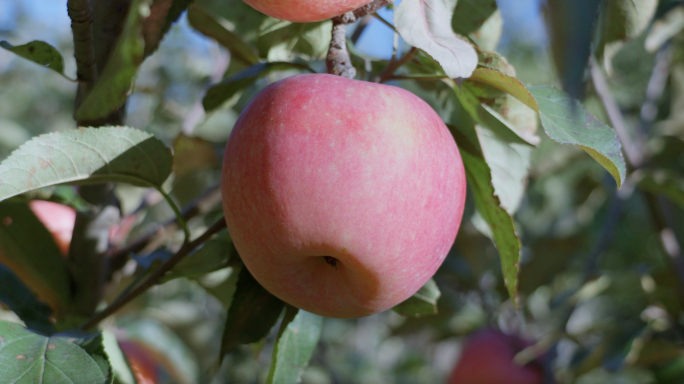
{"points": [[360, 28], [154, 278], [388, 73], [633, 154], [338, 61], [655, 88]]}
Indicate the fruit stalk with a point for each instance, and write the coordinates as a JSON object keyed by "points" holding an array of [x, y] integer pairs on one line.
{"points": [[338, 61]]}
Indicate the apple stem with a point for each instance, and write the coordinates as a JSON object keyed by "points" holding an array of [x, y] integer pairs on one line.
{"points": [[338, 61], [331, 260]]}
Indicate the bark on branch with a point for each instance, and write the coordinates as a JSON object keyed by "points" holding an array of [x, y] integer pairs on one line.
{"points": [[84, 50], [338, 60]]}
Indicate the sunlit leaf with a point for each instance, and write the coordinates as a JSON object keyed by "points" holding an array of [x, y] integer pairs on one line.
{"points": [[567, 122], [40, 53], [123, 373], [297, 339], [115, 83], [251, 315], [86, 155], [426, 24], [215, 254], [28, 357], [422, 303]]}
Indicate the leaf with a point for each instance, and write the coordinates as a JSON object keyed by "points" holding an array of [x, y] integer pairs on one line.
{"points": [[19, 298], [215, 254], [222, 284], [662, 182], [123, 373], [566, 121], [422, 303], [30, 252], [226, 89], [571, 27], [28, 357], [506, 83], [162, 14], [192, 154], [479, 178], [40, 53], [86, 156], [480, 20], [278, 39], [426, 24], [115, 83], [297, 340], [212, 27], [664, 29], [251, 315], [621, 20]]}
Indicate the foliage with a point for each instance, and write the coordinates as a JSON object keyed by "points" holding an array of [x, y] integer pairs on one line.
{"points": [[564, 239]]}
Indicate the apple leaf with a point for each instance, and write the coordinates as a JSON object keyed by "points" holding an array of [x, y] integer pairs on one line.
{"points": [[621, 20], [662, 182], [251, 315], [422, 303], [28, 357], [222, 283], [226, 89], [215, 254], [115, 83], [504, 82], [40, 53], [279, 38], [29, 250], [298, 336], [122, 371], [566, 121], [426, 24], [19, 298], [480, 20], [209, 25], [479, 178], [86, 156]]}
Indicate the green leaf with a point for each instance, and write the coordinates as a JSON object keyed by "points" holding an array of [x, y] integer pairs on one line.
{"points": [[566, 121], [662, 182], [226, 89], [251, 315], [40, 53], [479, 177], [221, 284], [28, 357], [209, 25], [215, 254], [19, 298], [621, 20], [426, 24], [506, 83], [297, 340], [86, 156], [422, 303], [278, 39], [115, 83], [123, 374], [480, 20], [29, 250]]}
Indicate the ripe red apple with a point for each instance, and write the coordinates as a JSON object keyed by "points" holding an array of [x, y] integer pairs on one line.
{"points": [[487, 358], [305, 11], [342, 197], [58, 219]]}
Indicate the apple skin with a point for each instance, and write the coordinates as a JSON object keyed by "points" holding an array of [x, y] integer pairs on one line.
{"points": [[58, 219], [487, 358], [305, 11], [320, 167]]}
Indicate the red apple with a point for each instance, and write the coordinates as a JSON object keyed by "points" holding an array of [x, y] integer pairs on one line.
{"points": [[58, 219], [487, 358], [342, 197], [305, 11]]}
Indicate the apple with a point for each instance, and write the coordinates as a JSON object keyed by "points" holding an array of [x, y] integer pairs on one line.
{"points": [[487, 358], [305, 11], [58, 219], [342, 197]]}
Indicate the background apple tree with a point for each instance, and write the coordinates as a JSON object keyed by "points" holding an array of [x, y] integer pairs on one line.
{"points": [[572, 235]]}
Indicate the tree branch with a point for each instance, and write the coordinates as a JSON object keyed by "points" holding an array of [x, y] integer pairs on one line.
{"points": [[634, 155], [84, 49], [338, 61], [388, 72], [154, 278]]}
